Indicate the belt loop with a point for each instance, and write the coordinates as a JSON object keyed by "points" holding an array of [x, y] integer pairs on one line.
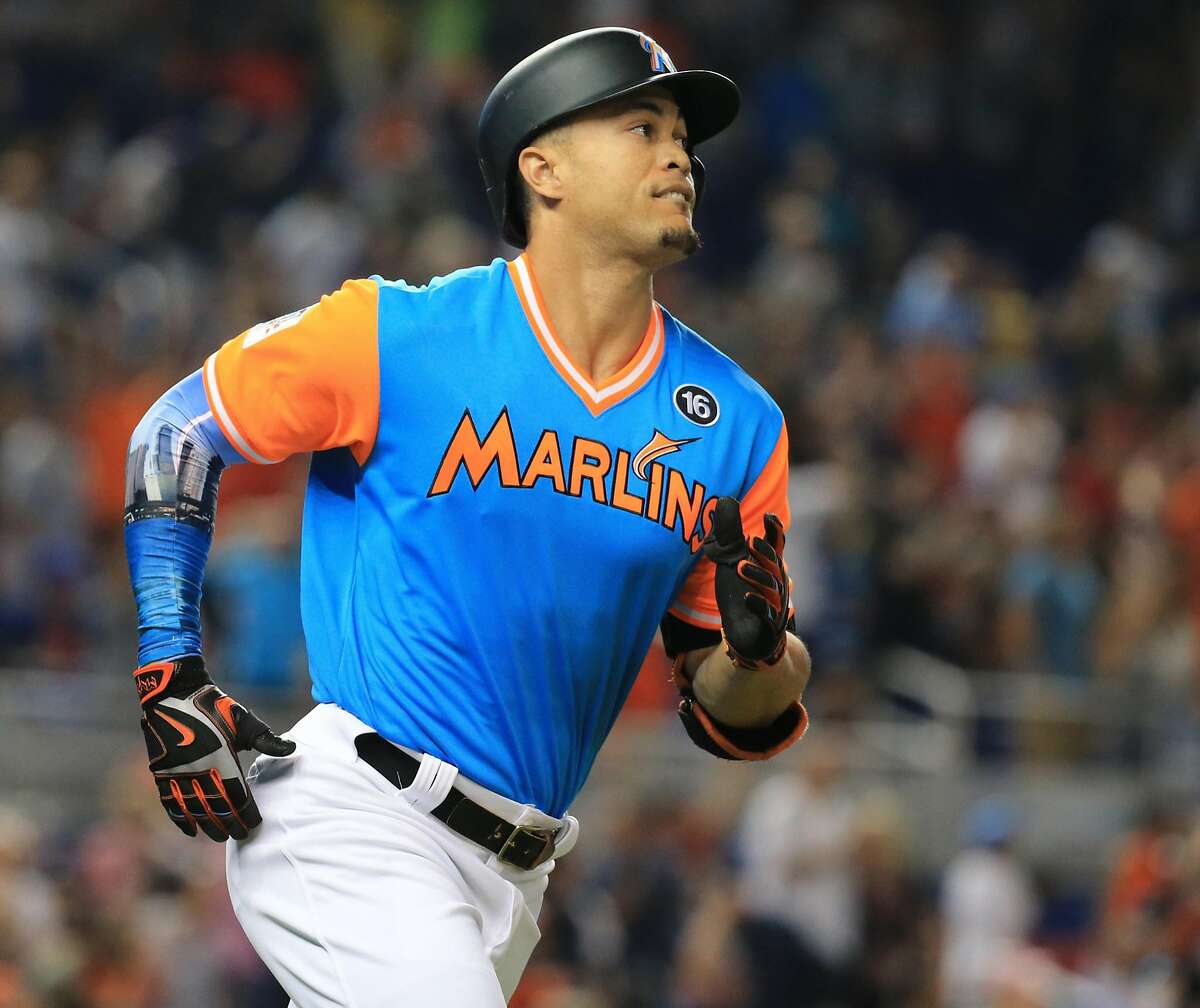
{"points": [[432, 783], [567, 836]]}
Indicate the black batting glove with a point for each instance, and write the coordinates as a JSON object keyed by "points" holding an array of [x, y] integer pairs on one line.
{"points": [[193, 734], [752, 589]]}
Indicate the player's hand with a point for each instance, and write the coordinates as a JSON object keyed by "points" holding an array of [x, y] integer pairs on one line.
{"points": [[193, 734], [753, 593]]}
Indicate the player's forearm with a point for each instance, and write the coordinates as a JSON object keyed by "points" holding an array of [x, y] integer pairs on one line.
{"points": [[175, 460], [751, 698]]}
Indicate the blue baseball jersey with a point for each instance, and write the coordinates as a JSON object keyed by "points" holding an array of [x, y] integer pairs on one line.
{"points": [[491, 539]]}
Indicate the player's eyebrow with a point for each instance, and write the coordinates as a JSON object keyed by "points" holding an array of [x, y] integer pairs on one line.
{"points": [[647, 105]]}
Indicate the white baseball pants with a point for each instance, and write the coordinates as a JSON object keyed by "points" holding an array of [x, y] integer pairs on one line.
{"points": [[356, 897]]}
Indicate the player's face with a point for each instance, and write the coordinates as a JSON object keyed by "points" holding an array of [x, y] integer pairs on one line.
{"points": [[628, 178]]}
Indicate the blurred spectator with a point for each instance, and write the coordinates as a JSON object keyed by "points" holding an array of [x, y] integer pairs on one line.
{"points": [[644, 884], [1051, 593], [711, 971], [312, 243], [1148, 914], [933, 301], [796, 844], [1030, 978], [31, 927], [898, 924], [988, 905], [28, 250], [1010, 448]]}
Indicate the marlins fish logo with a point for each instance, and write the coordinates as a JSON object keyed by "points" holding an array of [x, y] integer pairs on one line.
{"points": [[660, 62], [656, 448]]}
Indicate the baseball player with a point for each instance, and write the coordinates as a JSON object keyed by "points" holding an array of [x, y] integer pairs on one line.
{"points": [[519, 473]]}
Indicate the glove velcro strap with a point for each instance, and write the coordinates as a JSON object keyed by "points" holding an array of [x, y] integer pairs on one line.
{"points": [[177, 677], [733, 743]]}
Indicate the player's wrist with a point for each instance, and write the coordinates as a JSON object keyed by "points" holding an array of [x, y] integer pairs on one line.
{"points": [[172, 677], [770, 660]]}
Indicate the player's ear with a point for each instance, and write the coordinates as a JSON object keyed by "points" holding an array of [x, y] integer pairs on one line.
{"points": [[540, 166]]}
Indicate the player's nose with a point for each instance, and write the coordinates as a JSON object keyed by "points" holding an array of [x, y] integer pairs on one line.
{"points": [[675, 157]]}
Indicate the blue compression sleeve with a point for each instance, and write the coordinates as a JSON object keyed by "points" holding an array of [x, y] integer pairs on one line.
{"points": [[166, 566], [176, 456]]}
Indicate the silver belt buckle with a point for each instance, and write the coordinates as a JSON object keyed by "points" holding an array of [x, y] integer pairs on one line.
{"points": [[528, 839]]}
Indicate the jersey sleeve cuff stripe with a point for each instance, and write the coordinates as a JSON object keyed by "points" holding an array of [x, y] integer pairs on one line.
{"points": [[221, 415], [696, 617]]}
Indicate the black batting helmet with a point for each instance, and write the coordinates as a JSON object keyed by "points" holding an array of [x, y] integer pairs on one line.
{"points": [[575, 73]]}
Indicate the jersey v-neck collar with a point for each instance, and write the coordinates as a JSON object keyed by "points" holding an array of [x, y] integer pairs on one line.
{"points": [[597, 398]]}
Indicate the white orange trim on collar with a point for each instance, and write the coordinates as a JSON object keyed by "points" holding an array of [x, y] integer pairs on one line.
{"points": [[624, 383]]}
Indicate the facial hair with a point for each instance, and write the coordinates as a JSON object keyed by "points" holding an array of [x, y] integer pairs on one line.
{"points": [[685, 239]]}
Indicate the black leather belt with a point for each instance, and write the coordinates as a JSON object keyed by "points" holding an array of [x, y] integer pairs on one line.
{"points": [[523, 847]]}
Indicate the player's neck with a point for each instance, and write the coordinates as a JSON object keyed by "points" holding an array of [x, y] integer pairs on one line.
{"points": [[599, 307]]}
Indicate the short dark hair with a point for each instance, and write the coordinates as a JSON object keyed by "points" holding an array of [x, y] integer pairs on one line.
{"points": [[524, 203]]}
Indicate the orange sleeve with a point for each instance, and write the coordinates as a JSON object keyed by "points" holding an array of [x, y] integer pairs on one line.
{"points": [[303, 382], [696, 602]]}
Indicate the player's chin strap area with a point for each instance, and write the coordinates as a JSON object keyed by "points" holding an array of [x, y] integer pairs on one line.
{"points": [[521, 846]]}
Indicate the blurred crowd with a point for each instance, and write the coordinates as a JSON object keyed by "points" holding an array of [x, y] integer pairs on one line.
{"points": [[803, 893], [808, 896], [960, 245]]}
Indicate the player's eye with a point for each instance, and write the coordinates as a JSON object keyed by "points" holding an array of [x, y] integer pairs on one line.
{"points": [[649, 130]]}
